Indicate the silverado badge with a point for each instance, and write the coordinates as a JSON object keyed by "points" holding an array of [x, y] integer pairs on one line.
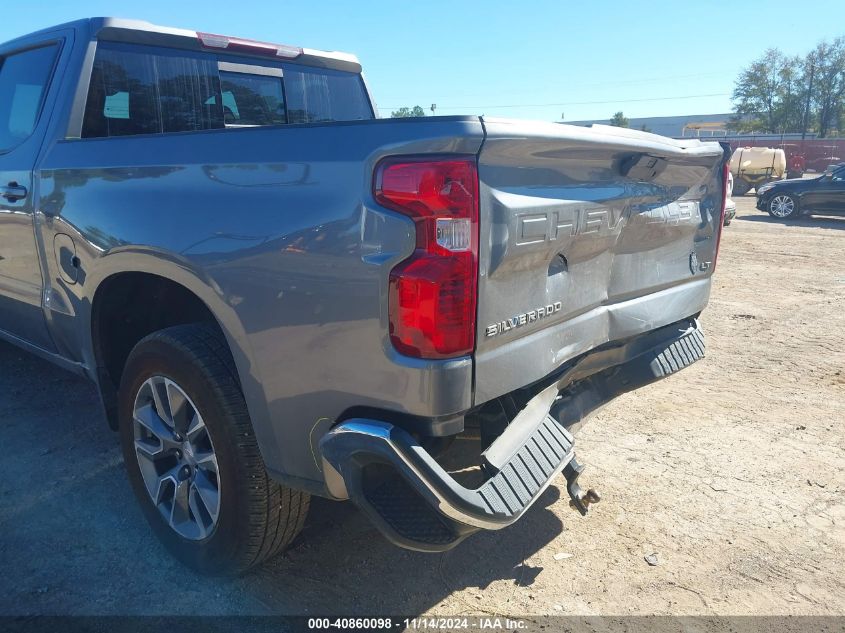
{"points": [[523, 319]]}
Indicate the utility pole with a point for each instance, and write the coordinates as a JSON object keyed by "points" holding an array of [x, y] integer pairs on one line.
{"points": [[807, 105]]}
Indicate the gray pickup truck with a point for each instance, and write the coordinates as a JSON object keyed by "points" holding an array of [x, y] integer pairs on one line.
{"points": [[278, 294]]}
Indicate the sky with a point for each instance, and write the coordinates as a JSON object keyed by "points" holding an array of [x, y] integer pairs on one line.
{"points": [[534, 60]]}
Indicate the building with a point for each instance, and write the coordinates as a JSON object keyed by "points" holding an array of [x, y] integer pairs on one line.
{"points": [[675, 126]]}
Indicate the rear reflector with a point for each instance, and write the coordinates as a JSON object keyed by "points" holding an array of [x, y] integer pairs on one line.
{"points": [[239, 45], [432, 294]]}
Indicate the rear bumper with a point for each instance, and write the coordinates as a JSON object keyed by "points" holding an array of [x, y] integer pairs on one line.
{"points": [[416, 504], [421, 506]]}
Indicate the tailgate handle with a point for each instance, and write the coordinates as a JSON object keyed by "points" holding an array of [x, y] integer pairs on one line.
{"points": [[642, 167]]}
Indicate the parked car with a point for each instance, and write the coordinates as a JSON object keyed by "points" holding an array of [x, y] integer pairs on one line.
{"points": [[789, 199], [730, 205], [279, 295]]}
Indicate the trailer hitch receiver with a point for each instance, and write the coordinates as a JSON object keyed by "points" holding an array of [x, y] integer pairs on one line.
{"points": [[580, 500]]}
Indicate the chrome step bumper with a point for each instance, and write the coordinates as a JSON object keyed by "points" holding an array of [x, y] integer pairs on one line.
{"points": [[425, 508], [418, 505]]}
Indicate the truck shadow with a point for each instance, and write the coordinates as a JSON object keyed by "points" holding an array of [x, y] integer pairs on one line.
{"points": [[341, 565], [54, 435]]}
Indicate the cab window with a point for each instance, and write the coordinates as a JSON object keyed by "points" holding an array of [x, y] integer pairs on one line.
{"points": [[134, 90], [321, 94], [139, 89], [23, 83], [252, 96]]}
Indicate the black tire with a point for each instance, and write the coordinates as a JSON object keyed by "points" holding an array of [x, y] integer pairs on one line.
{"points": [[257, 517], [777, 201]]}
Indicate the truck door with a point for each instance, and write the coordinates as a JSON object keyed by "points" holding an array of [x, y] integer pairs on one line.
{"points": [[24, 78]]}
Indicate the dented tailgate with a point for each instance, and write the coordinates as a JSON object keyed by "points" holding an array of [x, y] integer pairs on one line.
{"points": [[587, 235]]}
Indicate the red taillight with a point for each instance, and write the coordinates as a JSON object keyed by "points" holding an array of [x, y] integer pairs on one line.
{"points": [[237, 44], [726, 168], [432, 294]]}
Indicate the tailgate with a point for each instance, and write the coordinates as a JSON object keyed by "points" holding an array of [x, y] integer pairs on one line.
{"points": [[587, 236]]}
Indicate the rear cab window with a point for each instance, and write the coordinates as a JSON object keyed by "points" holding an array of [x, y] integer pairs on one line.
{"points": [[318, 95], [140, 89], [252, 95]]}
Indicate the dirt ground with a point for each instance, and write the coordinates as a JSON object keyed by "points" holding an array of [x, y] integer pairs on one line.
{"points": [[732, 473]]}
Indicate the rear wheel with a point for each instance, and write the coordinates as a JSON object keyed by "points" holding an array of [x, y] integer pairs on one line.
{"points": [[783, 206], [192, 458]]}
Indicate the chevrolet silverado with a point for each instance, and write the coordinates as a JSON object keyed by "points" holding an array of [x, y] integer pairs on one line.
{"points": [[278, 294]]}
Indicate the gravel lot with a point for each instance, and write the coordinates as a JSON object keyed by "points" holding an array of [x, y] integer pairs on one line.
{"points": [[731, 472]]}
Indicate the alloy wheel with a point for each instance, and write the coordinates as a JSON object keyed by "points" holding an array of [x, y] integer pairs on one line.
{"points": [[782, 206], [176, 458]]}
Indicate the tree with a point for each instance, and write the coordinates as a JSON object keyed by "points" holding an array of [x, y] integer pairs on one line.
{"points": [[777, 94], [765, 96], [792, 93], [402, 113], [619, 120], [828, 62]]}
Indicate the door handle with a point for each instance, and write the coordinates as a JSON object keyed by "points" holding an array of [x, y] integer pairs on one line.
{"points": [[13, 192]]}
